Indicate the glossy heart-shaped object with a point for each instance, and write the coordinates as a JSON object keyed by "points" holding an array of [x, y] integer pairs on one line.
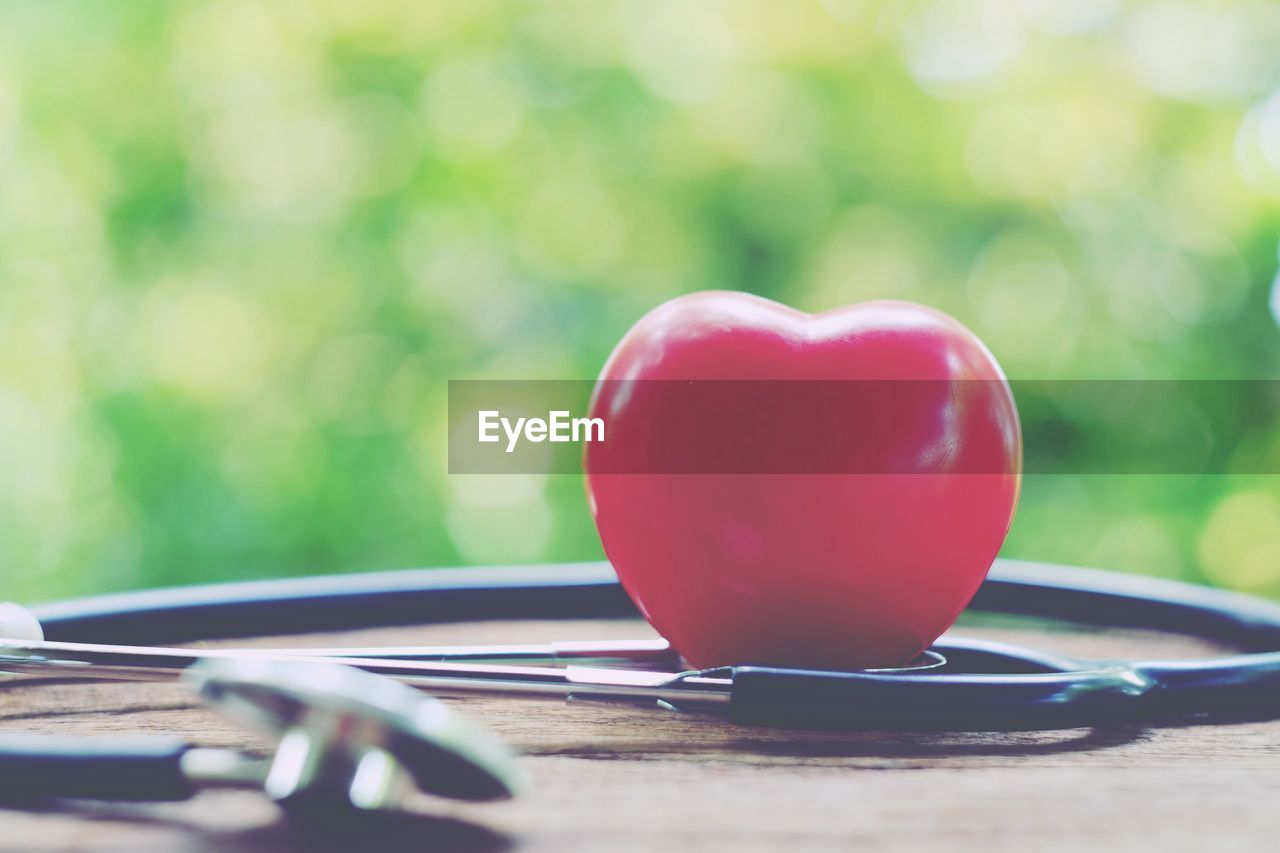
{"points": [[861, 566]]}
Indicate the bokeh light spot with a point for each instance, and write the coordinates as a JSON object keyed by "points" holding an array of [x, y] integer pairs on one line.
{"points": [[570, 227], [206, 340], [499, 518], [1240, 544], [682, 52], [951, 42], [1257, 146], [1204, 51], [473, 106]]}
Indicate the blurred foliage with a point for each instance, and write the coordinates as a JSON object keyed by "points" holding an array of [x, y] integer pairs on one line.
{"points": [[244, 245]]}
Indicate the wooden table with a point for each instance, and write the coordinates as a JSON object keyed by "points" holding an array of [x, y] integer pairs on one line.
{"points": [[609, 778]]}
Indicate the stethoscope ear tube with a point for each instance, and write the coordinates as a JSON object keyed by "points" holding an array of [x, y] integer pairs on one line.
{"points": [[38, 767], [338, 602], [591, 590], [1243, 685], [1113, 600], [851, 700]]}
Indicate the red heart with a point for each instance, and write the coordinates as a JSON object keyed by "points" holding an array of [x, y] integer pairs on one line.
{"points": [[860, 568]]}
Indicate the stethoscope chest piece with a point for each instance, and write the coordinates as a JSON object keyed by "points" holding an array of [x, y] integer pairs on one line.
{"points": [[347, 741], [350, 739]]}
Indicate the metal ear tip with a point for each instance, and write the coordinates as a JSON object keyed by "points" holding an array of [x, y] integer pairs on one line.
{"points": [[344, 730], [19, 623]]}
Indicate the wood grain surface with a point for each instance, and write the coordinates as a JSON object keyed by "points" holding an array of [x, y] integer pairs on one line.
{"points": [[610, 778]]}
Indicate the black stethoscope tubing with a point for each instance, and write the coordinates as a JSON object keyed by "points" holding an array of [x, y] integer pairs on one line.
{"points": [[985, 685]]}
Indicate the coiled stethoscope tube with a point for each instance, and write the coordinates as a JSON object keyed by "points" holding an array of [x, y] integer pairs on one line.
{"points": [[983, 685]]}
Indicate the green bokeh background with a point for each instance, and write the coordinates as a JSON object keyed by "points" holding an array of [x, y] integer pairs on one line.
{"points": [[243, 246]]}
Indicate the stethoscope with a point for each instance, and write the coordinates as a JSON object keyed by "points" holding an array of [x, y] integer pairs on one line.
{"points": [[957, 685], [346, 742]]}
